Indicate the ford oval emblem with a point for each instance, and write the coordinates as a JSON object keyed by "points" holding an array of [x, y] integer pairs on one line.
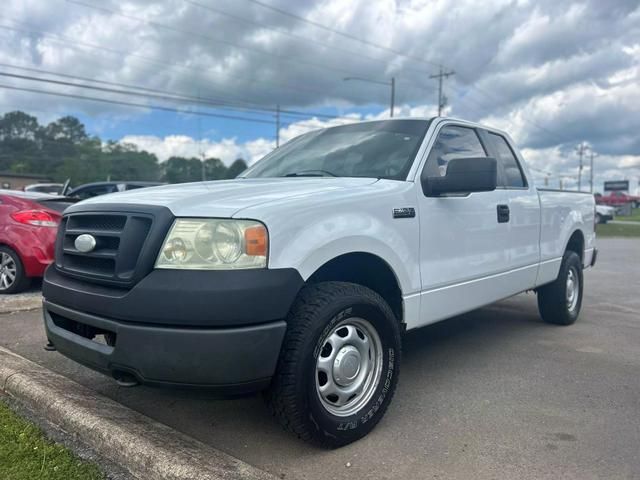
{"points": [[85, 243]]}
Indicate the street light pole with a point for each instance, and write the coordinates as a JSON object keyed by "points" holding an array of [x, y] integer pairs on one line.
{"points": [[391, 84], [591, 157], [393, 95], [581, 150]]}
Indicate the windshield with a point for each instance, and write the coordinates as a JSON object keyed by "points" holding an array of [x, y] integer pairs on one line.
{"points": [[383, 149]]}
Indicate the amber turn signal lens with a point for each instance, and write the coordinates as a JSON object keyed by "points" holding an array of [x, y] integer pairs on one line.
{"points": [[255, 240]]}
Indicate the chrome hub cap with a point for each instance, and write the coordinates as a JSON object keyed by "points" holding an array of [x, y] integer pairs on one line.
{"points": [[7, 271], [573, 289], [349, 367]]}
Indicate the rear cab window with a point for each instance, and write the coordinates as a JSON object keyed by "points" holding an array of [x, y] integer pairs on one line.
{"points": [[508, 165]]}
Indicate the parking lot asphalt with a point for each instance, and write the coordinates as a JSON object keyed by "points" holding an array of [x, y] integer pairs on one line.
{"points": [[495, 393]]}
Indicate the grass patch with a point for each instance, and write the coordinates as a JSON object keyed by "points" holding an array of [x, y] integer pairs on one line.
{"points": [[635, 216], [618, 230], [25, 454]]}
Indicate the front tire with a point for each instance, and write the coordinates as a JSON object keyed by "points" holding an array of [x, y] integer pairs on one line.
{"points": [[338, 367], [12, 275], [559, 302]]}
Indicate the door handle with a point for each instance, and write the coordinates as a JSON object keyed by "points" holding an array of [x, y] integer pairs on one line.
{"points": [[503, 213]]}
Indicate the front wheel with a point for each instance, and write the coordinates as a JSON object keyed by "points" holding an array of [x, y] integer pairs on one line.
{"points": [[338, 367], [559, 302]]}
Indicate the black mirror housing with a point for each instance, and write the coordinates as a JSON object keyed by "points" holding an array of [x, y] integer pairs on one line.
{"points": [[464, 175]]}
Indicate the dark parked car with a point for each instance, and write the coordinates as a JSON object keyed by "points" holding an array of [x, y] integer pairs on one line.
{"points": [[89, 190]]}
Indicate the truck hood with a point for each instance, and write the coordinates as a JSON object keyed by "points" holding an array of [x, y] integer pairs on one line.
{"points": [[227, 197]]}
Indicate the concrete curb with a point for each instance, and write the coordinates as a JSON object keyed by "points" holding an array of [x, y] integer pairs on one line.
{"points": [[144, 447], [20, 302]]}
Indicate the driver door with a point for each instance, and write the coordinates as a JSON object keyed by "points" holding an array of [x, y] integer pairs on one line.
{"points": [[463, 250]]}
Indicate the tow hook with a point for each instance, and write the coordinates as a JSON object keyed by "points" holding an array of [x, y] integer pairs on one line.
{"points": [[50, 347]]}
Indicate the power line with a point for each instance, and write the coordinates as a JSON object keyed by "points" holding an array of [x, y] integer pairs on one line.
{"points": [[75, 44], [207, 37], [159, 25], [137, 105], [153, 93], [341, 33], [359, 55]]}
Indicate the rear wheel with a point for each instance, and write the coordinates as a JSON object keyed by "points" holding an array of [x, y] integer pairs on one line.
{"points": [[338, 368], [12, 275], [559, 302]]}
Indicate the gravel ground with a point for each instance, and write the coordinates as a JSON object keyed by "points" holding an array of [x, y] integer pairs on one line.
{"points": [[494, 393]]}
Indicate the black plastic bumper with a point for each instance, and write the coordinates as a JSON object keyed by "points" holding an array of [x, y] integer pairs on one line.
{"points": [[190, 329], [195, 298]]}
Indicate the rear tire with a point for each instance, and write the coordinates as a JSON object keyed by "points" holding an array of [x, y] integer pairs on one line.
{"points": [[12, 275], [339, 364], [559, 302]]}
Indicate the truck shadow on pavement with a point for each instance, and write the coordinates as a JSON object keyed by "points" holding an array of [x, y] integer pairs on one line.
{"points": [[434, 358]]}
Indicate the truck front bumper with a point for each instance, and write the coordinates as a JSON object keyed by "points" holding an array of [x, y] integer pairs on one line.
{"points": [[208, 339]]}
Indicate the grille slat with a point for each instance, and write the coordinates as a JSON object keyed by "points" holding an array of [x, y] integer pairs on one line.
{"points": [[95, 254]]}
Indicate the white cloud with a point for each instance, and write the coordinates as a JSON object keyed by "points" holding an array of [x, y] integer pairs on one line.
{"points": [[551, 73]]}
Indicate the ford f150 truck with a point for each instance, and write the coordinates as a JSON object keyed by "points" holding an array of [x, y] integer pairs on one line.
{"points": [[300, 276]]}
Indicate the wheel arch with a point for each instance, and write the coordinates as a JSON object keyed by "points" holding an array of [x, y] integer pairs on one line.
{"points": [[576, 243], [368, 270]]}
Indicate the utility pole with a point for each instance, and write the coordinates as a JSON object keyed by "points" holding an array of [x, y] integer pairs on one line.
{"points": [[442, 100], [393, 95], [591, 157], [581, 150], [277, 126], [204, 172], [392, 84]]}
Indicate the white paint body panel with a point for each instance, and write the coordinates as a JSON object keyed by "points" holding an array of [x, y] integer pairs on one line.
{"points": [[451, 258]]}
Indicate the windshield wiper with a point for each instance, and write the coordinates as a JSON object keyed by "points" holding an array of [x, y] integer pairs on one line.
{"points": [[311, 173]]}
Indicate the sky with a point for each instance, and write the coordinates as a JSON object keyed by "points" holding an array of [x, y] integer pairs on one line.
{"points": [[194, 77]]}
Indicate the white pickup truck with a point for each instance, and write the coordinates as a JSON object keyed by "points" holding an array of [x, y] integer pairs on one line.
{"points": [[300, 276]]}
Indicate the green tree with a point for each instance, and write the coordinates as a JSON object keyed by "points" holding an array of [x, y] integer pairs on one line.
{"points": [[180, 170], [19, 125], [236, 168], [68, 129], [214, 169], [126, 162], [63, 149], [19, 145], [86, 164]]}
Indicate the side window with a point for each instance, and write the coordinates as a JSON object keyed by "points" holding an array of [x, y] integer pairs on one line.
{"points": [[512, 174], [452, 142]]}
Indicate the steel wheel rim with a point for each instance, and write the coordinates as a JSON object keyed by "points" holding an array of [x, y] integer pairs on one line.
{"points": [[348, 367], [8, 271], [573, 289]]}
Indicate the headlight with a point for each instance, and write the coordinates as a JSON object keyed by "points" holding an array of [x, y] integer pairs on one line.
{"points": [[213, 244]]}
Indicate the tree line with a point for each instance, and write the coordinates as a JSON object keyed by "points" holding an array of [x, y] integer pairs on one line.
{"points": [[64, 150]]}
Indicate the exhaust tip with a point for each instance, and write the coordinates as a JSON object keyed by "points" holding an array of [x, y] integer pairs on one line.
{"points": [[124, 379]]}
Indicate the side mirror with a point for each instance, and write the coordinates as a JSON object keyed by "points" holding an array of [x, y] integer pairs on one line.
{"points": [[464, 175]]}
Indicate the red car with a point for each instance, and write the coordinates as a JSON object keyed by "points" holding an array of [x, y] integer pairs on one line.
{"points": [[28, 227], [615, 199]]}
